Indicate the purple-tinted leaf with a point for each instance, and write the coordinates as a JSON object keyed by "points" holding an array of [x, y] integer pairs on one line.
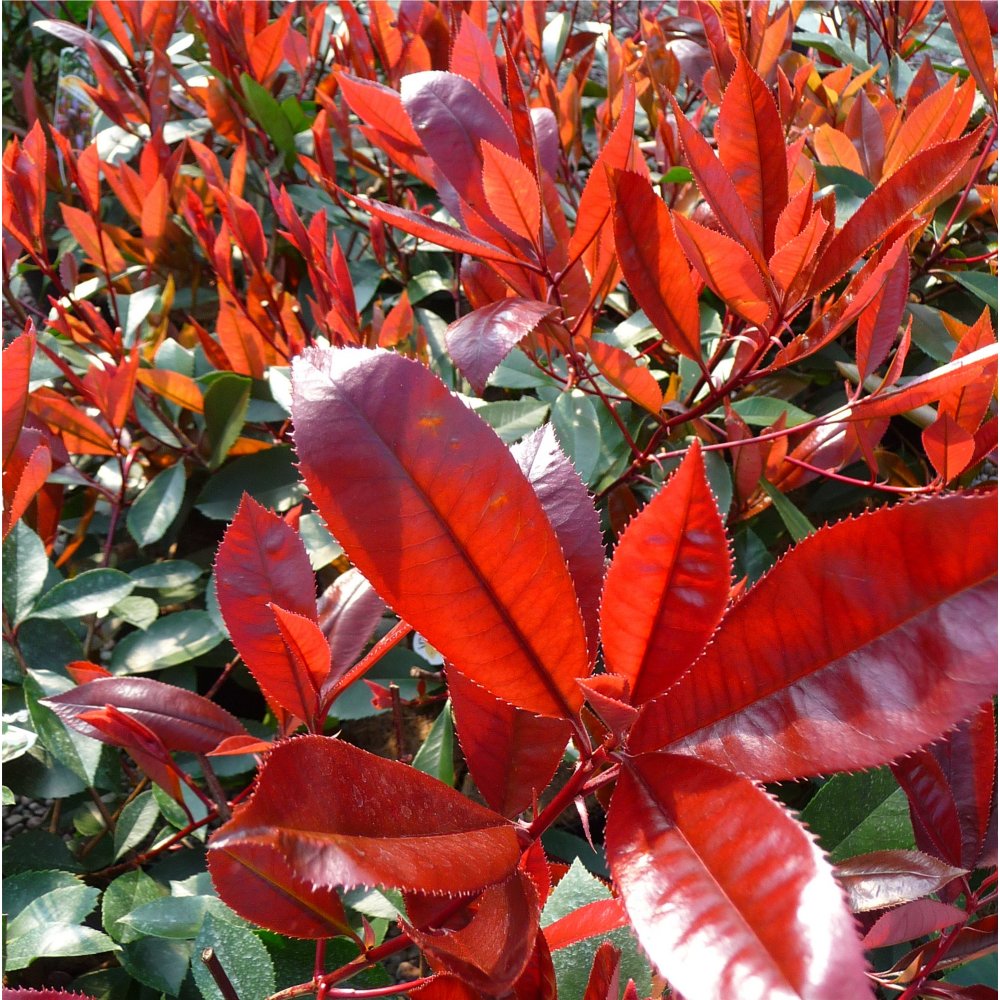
{"points": [[912, 921], [936, 825], [481, 339], [349, 610], [888, 878]]}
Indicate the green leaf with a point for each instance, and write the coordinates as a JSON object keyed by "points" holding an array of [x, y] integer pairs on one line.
{"points": [[858, 813], [578, 429], [226, 402], [929, 333], [572, 964], [68, 904], [425, 284], [677, 175], [15, 741], [983, 286], [125, 894], [270, 477], [241, 954], [178, 917], [798, 525], [849, 188], [322, 547], [157, 506], [437, 754], [385, 904], [762, 411], [25, 567], [93, 592], [55, 940], [79, 753], [513, 418], [832, 46], [138, 611], [136, 822], [21, 890], [134, 309], [172, 639], [268, 114], [166, 575], [158, 963], [516, 371]]}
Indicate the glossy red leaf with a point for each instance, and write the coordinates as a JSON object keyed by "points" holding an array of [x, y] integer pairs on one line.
{"points": [[608, 697], [458, 543], [260, 562], [879, 323], [490, 950], [183, 720], [349, 610], [481, 339], [911, 922], [570, 509], [653, 263], [936, 824], [907, 648], [752, 149], [726, 268], [918, 180], [594, 919], [309, 656], [668, 584], [728, 894], [511, 754], [319, 816], [512, 192], [603, 982], [538, 981], [889, 878], [16, 372]]}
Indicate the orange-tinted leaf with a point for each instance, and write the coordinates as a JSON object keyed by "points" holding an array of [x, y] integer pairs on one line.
{"points": [[16, 374], [173, 387], [267, 49], [722, 910], [968, 404], [260, 562], [481, 339], [511, 192], [792, 263], [318, 818], [625, 373], [919, 179], [93, 241], [653, 264], [949, 447], [727, 269], [668, 584], [752, 149], [241, 341], [458, 544], [82, 434], [835, 149], [511, 754], [920, 127], [975, 39], [472, 56], [398, 324], [155, 206], [907, 648]]}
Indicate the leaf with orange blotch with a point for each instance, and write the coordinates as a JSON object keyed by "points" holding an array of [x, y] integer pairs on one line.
{"points": [[949, 446], [653, 264], [426, 228], [626, 374], [16, 377], [82, 434], [668, 584], [722, 910], [726, 268], [488, 950], [972, 32], [907, 648], [878, 324], [915, 182], [173, 387], [481, 339], [752, 149], [511, 754], [512, 193], [261, 562], [459, 545], [287, 836]]}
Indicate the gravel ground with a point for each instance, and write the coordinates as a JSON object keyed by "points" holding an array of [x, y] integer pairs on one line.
{"points": [[24, 814]]}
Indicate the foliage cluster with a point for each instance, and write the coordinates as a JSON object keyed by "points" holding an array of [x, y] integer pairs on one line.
{"points": [[601, 401]]}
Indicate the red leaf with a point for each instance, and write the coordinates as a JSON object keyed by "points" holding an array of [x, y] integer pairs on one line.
{"points": [[918, 180], [512, 193], [92, 238], [349, 609], [889, 878], [949, 447], [879, 323], [668, 584], [472, 56], [458, 544], [792, 263], [398, 325], [267, 49], [969, 404], [921, 127], [653, 264], [81, 434], [489, 951], [432, 231], [570, 510], [972, 32], [511, 754], [24, 476], [626, 374], [319, 816], [603, 982], [262, 561], [728, 894], [752, 149], [727, 269], [936, 824], [183, 720], [308, 655], [608, 697], [481, 339], [907, 648], [911, 922], [590, 920], [16, 374]]}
